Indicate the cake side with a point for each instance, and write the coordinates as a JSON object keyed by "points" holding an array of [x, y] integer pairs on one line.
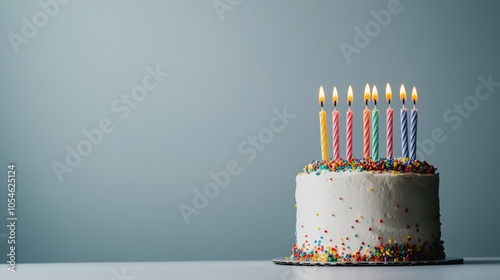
{"points": [[352, 214]]}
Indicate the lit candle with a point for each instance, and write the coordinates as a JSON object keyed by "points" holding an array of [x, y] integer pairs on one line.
{"points": [[335, 124], [413, 125], [375, 124], [390, 112], [349, 125], [404, 125], [322, 126], [366, 124]]}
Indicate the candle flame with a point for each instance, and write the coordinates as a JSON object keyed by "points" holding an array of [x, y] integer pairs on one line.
{"points": [[367, 92], [349, 94], [321, 96], [335, 95], [374, 93], [402, 93], [414, 95], [388, 92]]}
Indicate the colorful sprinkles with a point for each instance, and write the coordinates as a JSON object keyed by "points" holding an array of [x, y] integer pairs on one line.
{"points": [[381, 253], [393, 165]]}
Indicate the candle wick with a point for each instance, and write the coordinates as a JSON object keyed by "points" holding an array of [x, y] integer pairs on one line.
{"points": [[414, 103], [375, 101], [349, 104], [321, 104], [389, 103]]}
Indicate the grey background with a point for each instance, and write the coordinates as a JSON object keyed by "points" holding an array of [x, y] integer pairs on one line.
{"points": [[227, 74]]}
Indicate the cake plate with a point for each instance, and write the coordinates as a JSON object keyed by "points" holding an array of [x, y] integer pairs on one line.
{"points": [[447, 260]]}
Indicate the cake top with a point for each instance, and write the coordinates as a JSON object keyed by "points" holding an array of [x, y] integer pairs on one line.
{"points": [[392, 165]]}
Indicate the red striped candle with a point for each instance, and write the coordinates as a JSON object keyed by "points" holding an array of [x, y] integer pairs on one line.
{"points": [[366, 124], [335, 124], [349, 125], [374, 121], [390, 113]]}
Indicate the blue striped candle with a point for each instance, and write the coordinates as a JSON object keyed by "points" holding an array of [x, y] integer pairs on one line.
{"points": [[413, 125], [413, 134], [404, 123], [404, 132]]}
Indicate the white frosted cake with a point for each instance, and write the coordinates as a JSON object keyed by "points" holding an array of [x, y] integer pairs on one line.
{"points": [[364, 210]]}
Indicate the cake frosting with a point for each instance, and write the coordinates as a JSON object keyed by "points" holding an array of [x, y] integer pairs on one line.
{"points": [[367, 210]]}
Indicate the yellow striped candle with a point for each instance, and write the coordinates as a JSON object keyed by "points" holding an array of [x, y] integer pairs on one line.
{"points": [[322, 126]]}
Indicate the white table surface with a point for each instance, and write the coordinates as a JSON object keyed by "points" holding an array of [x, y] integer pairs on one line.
{"points": [[473, 268]]}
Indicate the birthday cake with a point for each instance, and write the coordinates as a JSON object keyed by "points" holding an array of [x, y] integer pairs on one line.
{"points": [[368, 210]]}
